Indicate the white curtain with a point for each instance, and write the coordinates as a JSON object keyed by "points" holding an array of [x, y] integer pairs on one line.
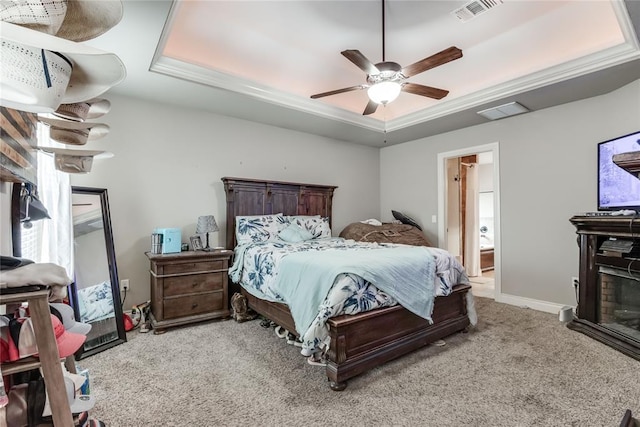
{"points": [[51, 240], [472, 227]]}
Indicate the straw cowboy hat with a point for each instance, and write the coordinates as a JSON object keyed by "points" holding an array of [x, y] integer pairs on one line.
{"points": [[76, 20], [74, 133], [75, 161], [39, 71], [81, 111]]}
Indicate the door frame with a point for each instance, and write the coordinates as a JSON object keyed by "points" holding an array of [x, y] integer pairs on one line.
{"points": [[442, 205]]}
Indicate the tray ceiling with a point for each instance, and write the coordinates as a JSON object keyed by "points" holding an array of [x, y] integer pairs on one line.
{"points": [[261, 60]]}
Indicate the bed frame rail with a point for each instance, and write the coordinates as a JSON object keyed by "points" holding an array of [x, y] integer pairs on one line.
{"points": [[356, 343]]}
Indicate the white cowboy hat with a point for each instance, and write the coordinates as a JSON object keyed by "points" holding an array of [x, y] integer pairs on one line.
{"points": [[77, 20], [81, 111], [75, 161], [39, 71], [74, 133]]}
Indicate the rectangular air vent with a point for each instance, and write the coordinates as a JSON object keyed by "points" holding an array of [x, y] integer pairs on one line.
{"points": [[474, 8], [502, 111]]}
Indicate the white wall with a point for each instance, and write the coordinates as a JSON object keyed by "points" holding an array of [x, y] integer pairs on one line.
{"points": [[168, 164], [547, 174]]}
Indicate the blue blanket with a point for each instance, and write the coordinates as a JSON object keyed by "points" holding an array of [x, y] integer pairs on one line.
{"points": [[405, 273]]}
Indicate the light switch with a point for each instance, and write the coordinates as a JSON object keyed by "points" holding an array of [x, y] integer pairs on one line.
{"points": [[434, 219]]}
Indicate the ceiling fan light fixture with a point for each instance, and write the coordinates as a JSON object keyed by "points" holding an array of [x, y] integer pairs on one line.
{"points": [[384, 92]]}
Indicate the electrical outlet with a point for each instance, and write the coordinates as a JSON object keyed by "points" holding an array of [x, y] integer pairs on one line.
{"points": [[575, 282], [124, 284]]}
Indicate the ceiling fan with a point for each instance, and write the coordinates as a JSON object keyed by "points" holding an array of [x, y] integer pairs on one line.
{"points": [[386, 79]]}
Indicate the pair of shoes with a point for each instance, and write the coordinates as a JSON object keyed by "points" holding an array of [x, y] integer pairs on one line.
{"points": [[266, 323], [280, 331], [313, 360], [293, 340]]}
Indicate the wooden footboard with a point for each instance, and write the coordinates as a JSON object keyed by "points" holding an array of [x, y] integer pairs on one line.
{"points": [[363, 341], [366, 340]]}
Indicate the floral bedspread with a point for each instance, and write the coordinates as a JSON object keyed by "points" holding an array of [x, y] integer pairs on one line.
{"points": [[255, 269]]}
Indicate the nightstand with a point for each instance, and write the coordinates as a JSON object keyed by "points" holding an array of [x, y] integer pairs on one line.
{"points": [[188, 287]]}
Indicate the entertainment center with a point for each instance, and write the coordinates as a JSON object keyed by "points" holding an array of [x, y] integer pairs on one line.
{"points": [[609, 291], [609, 240]]}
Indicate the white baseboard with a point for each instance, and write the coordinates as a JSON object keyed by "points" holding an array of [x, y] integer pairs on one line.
{"points": [[547, 307]]}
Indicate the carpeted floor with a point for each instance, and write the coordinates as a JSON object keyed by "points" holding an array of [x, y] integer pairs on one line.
{"points": [[518, 367]]}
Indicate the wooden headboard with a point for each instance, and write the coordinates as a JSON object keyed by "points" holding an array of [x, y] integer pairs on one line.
{"points": [[259, 197]]}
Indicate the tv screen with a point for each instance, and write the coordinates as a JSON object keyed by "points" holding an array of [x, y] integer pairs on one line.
{"points": [[617, 188]]}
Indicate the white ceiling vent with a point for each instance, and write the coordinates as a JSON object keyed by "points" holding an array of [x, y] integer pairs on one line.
{"points": [[474, 8], [502, 111]]}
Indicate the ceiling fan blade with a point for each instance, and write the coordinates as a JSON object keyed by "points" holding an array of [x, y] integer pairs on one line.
{"points": [[361, 61], [428, 91], [370, 108], [337, 91], [433, 61]]}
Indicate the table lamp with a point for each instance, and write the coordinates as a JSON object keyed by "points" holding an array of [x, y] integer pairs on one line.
{"points": [[206, 224]]}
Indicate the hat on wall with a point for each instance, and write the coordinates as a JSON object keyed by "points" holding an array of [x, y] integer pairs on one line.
{"points": [[77, 20], [39, 71], [81, 111], [74, 133], [75, 161], [69, 320]]}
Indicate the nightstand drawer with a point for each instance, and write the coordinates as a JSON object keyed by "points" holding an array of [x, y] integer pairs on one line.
{"points": [[184, 285], [192, 267], [192, 305]]}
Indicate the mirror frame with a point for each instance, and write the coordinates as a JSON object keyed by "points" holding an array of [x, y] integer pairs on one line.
{"points": [[113, 275]]}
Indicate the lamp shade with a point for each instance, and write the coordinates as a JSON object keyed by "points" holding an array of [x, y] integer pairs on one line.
{"points": [[206, 224], [384, 92]]}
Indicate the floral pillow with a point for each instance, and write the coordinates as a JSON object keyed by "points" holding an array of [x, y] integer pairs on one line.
{"points": [[259, 228], [316, 225]]}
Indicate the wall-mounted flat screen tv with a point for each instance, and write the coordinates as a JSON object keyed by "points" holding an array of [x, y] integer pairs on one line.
{"points": [[617, 188]]}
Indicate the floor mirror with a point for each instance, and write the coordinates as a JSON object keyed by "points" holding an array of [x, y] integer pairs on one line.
{"points": [[95, 293]]}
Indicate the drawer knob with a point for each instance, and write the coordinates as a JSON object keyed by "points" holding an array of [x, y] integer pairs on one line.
{"points": [[194, 305], [194, 284]]}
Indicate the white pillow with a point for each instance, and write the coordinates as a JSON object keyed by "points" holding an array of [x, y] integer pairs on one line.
{"points": [[259, 228], [294, 234]]}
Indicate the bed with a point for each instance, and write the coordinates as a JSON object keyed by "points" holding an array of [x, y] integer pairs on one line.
{"points": [[356, 342]]}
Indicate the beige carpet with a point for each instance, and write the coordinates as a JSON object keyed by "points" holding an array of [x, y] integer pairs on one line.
{"points": [[519, 367], [481, 279]]}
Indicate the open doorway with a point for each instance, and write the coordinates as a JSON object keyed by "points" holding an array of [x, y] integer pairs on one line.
{"points": [[468, 202]]}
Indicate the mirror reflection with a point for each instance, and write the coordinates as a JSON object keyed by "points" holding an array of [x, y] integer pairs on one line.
{"points": [[95, 293]]}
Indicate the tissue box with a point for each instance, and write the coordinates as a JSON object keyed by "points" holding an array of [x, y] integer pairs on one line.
{"points": [[171, 239]]}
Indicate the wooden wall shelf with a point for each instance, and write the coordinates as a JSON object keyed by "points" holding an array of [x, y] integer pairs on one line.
{"points": [[629, 162]]}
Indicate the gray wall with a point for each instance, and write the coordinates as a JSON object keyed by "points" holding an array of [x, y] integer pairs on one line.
{"points": [[168, 164], [547, 174]]}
